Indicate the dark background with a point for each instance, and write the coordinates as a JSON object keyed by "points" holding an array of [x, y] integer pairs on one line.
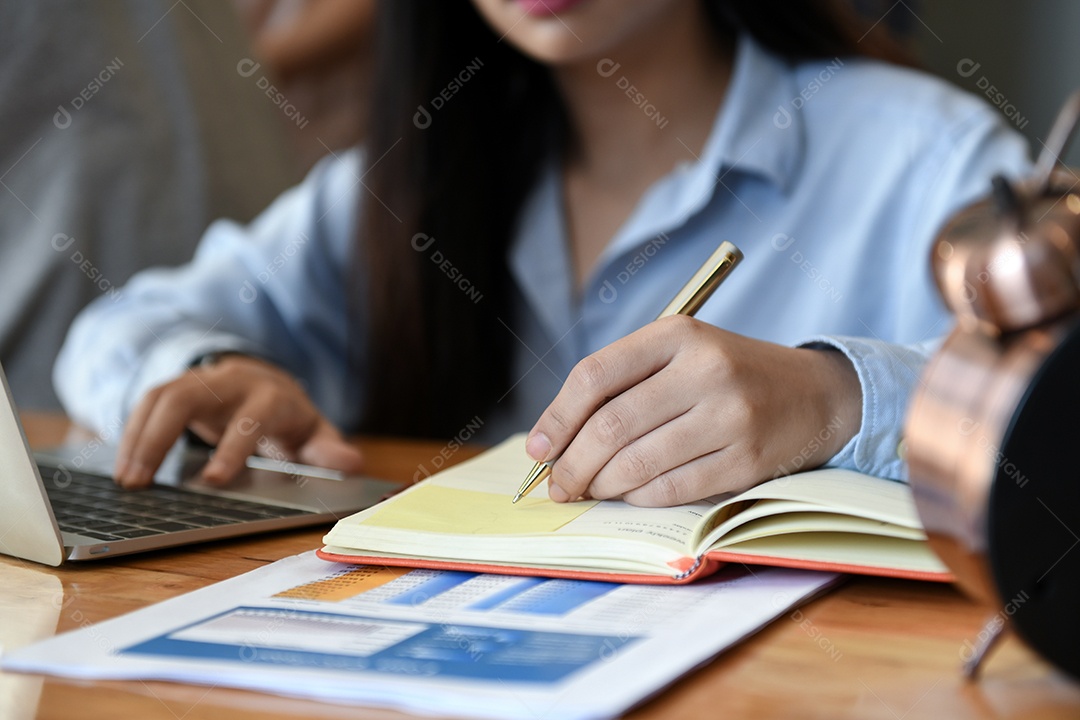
{"points": [[1027, 49]]}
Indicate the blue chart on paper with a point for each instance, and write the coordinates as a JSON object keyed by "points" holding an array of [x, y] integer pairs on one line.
{"points": [[528, 596], [538, 596], [439, 582], [327, 641]]}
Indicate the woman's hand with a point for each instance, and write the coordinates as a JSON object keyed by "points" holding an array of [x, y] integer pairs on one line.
{"points": [[241, 405], [693, 411]]}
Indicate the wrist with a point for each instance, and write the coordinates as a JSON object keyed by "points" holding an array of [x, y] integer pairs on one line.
{"points": [[837, 394]]}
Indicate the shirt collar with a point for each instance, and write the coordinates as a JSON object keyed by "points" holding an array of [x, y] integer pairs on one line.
{"points": [[758, 131]]}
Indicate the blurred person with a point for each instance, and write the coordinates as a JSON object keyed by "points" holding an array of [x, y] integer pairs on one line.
{"points": [[318, 55], [126, 130], [539, 178]]}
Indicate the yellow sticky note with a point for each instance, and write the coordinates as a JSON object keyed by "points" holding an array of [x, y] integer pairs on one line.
{"points": [[466, 512]]}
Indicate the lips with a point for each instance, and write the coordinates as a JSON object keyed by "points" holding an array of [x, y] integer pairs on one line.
{"points": [[541, 8]]}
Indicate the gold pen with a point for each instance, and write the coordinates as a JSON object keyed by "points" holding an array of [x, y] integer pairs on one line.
{"points": [[686, 302]]}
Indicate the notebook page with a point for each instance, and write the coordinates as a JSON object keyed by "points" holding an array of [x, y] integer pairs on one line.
{"points": [[473, 499]]}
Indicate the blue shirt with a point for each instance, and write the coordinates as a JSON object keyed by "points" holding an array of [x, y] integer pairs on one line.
{"points": [[832, 176]]}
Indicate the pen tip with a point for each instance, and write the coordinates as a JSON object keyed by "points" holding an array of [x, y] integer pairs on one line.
{"points": [[516, 498]]}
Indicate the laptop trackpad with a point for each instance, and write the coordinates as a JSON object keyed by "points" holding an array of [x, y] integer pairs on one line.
{"points": [[314, 493]]}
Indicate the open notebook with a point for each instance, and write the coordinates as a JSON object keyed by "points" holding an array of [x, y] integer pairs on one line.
{"points": [[462, 518]]}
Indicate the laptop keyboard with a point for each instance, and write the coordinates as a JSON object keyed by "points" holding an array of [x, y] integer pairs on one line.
{"points": [[94, 506]]}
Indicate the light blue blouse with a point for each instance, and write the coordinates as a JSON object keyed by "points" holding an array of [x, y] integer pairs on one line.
{"points": [[832, 176]]}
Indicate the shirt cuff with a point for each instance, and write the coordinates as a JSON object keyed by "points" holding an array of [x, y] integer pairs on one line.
{"points": [[887, 374], [171, 357]]}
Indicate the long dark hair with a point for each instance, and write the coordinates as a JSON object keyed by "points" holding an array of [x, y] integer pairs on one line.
{"points": [[460, 125]]}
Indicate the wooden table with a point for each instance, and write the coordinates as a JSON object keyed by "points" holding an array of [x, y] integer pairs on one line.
{"points": [[872, 649]]}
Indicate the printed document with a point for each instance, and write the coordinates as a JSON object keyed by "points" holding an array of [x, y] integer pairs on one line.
{"points": [[431, 641]]}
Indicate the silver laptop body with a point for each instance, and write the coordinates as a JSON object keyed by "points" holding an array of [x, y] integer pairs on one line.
{"points": [[93, 511]]}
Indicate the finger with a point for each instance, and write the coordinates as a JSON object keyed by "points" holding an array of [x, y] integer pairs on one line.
{"points": [[717, 472], [602, 375], [327, 448], [172, 407], [669, 446], [241, 436], [125, 472], [615, 429]]}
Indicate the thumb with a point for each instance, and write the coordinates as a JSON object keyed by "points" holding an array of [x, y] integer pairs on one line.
{"points": [[327, 448]]}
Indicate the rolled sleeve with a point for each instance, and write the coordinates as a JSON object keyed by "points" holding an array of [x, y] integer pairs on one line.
{"points": [[274, 289], [888, 373]]}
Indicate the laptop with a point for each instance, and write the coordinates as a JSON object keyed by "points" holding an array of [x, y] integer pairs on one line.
{"points": [[52, 510]]}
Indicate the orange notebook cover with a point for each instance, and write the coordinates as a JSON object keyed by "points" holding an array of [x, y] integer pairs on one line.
{"points": [[462, 519], [711, 563]]}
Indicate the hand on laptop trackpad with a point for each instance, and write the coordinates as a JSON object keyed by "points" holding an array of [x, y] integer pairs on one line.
{"points": [[184, 462]]}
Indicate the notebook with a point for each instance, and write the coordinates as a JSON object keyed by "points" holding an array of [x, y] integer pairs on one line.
{"points": [[462, 518], [52, 510]]}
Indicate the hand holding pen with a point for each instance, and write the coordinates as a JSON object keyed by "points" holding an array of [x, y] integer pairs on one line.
{"points": [[681, 410], [692, 296]]}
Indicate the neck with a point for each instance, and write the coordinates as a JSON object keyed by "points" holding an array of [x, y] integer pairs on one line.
{"points": [[650, 101]]}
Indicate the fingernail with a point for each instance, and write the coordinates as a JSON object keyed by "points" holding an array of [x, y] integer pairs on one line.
{"points": [[538, 447], [134, 475], [214, 470], [557, 494]]}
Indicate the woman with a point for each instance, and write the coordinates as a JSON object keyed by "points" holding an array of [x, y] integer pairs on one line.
{"points": [[542, 176]]}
